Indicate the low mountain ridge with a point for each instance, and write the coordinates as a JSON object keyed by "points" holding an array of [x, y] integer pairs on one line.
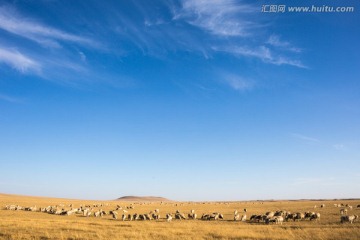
{"points": [[142, 199]]}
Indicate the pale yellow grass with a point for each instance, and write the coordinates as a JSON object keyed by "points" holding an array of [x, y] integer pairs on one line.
{"points": [[37, 225]]}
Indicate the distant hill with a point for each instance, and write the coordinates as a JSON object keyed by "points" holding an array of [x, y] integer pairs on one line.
{"points": [[142, 199]]}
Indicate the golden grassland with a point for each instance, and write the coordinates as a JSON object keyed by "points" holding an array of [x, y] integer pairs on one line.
{"points": [[39, 225]]}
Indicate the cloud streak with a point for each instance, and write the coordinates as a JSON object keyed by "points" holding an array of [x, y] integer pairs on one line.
{"points": [[237, 82], [19, 61], [9, 99], [263, 53], [46, 36], [274, 40], [305, 138], [198, 27], [339, 146], [231, 21], [219, 17]]}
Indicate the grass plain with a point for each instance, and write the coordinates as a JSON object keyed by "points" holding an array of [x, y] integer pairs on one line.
{"points": [[39, 225]]}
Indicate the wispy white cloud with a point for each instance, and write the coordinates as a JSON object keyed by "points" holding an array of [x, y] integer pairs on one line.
{"points": [[275, 41], [231, 19], [19, 61], [237, 82], [339, 146], [11, 21], [10, 99], [218, 25], [82, 56], [263, 53], [281, 60], [305, 138], [150, 23], [219, 17], [63, 64]]}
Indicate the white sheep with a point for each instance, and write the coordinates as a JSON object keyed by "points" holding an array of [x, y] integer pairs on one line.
{"points": [[349, 219]]}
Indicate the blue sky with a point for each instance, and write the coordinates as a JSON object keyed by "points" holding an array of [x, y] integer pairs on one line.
{"points": [[189, 100]]}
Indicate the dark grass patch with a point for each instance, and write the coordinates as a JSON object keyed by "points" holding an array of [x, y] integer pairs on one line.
{"points": [[77, 230], [216, 236], [95, 224], [5, 236], [124, 226], [292, 227], [44, 238]]}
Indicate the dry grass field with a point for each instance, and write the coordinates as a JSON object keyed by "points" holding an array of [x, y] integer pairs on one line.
{"points": [[40, 225]]}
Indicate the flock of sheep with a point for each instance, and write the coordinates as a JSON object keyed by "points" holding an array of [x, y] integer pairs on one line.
{"points": [[280, 216], [277, 217]]}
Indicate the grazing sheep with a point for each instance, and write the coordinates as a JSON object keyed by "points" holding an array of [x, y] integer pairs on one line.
{"points": [[349, 219], [343, 211], [279, 220], [97, 213], [168, 217], [275, 219], [123, 217], [258, 218], [358, 206], [322, 205], [147, 216], [179, 215], [315, 216], [58, 212], [237, 217], [18, 207], [89, 213], [155, 216], [102, 213], [85, 212], [308, 215], [243, 218], [282, 213], [192, 216], [114, 214], [214, 216], [70, 212], [31, 209], [11, 207], [290, 216], [253, 217], [270, 220], [205, 217], [269, 214], [299, 216]]}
